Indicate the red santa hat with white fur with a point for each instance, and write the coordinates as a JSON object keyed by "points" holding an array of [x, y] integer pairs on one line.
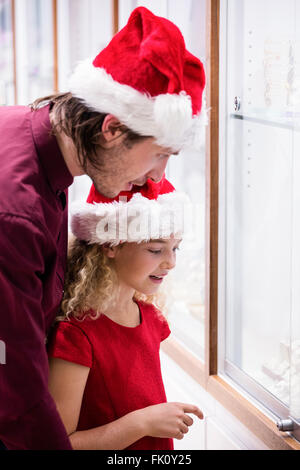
{"points": [[151, 211], [148, 80]]}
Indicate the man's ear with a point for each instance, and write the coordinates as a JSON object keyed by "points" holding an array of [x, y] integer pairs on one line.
{"points": [[111, 128]]}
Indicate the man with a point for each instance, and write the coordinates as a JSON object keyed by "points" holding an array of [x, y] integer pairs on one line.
{"points": [[126, 113]]}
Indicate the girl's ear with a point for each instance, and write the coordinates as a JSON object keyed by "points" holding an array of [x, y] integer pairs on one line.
{"points": [[110, 251]]}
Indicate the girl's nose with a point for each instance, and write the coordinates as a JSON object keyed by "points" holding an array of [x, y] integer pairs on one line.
{"points": [[169, 262]]}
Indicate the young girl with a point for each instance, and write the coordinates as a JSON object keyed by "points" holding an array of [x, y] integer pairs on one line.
{"points": [[105, 373]]}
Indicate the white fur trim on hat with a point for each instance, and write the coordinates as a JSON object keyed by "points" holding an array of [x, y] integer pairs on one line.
{"points": [[167, 117], [140, 219]]}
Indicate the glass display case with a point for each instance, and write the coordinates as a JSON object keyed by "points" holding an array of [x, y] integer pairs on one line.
{"points": [[7, 93], [259, 228], [185, 286]]}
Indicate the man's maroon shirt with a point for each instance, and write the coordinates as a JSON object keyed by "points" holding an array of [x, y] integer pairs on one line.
{"points": [[33, 249]]}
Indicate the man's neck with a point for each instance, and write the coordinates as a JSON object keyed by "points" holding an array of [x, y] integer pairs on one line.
{"points": [[67, 148]]}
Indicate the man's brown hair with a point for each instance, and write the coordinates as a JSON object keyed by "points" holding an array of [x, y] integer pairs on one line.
{"points": [[82, 125]]}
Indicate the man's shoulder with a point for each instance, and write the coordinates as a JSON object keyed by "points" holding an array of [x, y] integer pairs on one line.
{"points": [[22, 180], [12, 114]]}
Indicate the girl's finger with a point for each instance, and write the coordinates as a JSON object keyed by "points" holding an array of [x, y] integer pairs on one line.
{"points": [[187, 408], [183, 428], [188, 420]]}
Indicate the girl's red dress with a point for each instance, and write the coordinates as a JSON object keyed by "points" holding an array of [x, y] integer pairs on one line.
{"points": [[125, 372]]}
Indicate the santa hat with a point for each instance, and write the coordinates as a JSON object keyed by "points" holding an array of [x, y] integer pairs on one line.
{"points": [[151, 211], [148, 80]]}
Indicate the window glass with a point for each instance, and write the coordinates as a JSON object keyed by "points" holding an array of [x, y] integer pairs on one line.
{"points": [[262, 197], [35, 49], [185, 286], [6, 54], [187, 173], [295, 291]]}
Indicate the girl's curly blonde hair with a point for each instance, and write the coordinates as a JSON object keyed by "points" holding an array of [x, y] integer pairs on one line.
{"points": [[91, 283]]}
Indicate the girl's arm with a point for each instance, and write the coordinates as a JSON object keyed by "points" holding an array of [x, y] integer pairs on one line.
{"points": [[116, 435], [67, 382]]}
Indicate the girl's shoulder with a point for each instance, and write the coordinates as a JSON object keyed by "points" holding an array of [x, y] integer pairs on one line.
{"points": [[154, 316], [68, 340], [150, 309], [75, 325]]}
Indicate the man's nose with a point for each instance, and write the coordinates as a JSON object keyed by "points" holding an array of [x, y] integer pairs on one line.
{"points": [[158, 172]]}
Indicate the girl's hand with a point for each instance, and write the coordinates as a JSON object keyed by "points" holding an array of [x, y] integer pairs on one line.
{"points": [[169, 419]]}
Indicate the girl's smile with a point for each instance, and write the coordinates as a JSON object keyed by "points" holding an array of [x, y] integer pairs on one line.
{"points": [[157, 280]]}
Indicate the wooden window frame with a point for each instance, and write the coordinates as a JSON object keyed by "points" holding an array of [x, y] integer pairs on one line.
{"points": [[115, 16], [206, 374]]}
